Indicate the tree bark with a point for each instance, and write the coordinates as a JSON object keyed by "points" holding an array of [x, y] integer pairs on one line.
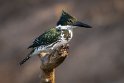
{"points": [[50, 61]]}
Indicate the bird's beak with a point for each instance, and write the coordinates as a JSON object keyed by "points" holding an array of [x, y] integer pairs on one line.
{"points": [[80, 24]]}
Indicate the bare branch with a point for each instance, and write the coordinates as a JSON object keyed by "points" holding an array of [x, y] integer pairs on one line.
{"points": [[50, 61]]}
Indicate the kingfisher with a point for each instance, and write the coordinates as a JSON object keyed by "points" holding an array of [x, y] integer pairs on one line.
{"points": [[56, 36]]}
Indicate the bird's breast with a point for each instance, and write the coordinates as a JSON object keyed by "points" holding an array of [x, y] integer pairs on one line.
{"points": [[66, 35]]}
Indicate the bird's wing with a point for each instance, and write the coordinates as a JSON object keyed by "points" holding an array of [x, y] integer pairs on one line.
{"points": [[49, 37]]}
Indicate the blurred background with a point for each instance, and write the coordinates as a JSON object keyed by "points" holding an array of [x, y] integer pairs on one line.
{"points": [[96, 55]]}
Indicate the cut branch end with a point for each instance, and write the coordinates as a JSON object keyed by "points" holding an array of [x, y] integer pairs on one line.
{"points": [[50, 61]]}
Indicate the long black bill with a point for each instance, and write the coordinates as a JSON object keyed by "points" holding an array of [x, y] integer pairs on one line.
{"points": [[80, 24]]}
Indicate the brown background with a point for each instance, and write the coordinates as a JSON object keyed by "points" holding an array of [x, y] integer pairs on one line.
{"points": [[96, 55]]}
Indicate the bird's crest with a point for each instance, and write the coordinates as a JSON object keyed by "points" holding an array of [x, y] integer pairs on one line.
{"points": [[66, 19]]}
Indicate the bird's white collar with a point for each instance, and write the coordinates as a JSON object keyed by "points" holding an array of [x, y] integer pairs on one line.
{"points": [[64, 27]]}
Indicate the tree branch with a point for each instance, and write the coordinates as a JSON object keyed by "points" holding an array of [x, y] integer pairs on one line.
{"points": [[50, 61]]}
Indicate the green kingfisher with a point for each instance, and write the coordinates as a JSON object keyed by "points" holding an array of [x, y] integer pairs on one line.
{"points": [[55, 37]]}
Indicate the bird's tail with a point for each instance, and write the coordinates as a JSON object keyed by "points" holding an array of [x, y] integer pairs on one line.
{"points": [[24, 60]]}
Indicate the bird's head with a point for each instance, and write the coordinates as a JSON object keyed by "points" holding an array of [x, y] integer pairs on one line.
{"points": [[68, 20]]}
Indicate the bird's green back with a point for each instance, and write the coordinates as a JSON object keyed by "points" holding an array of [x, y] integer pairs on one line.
{"points": [[47, 38]]}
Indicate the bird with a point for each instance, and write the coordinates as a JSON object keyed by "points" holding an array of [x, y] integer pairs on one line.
{"points": [[56, 36]]}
